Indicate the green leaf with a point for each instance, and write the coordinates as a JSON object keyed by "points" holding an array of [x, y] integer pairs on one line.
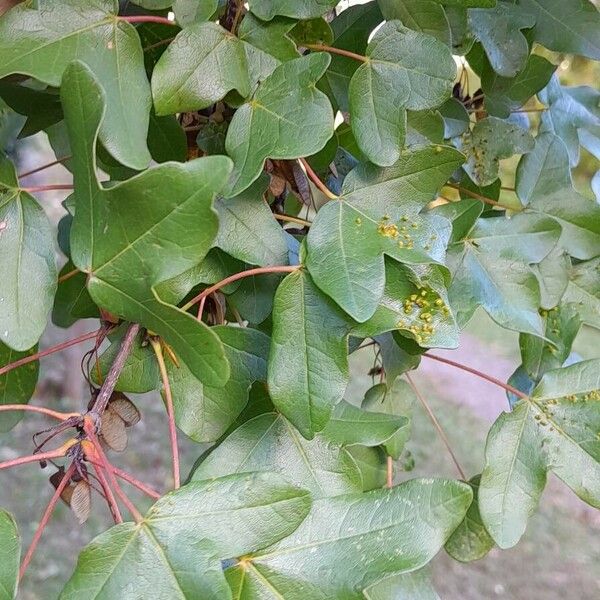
{"points": [[273, 123], [140, 373], [541, 355], [404, 70], [575, 31], [426, 16], [312, 31], [423, 128], [166, 139], [270, 36], [371, 462], [491, 269], [269, 442], [553, 277], [583, 289], [399, 529], [499, 31], [554, 430], [351, 29], [491, 140], [184, 81], [397, 399], [17, 386], [415, 303], [350, 425], [395, 356], [568, 113], [10, 552], [42, 42], [139, 227], [504, 94], [247, 229], [27, 269], [412, 586], [188, 12], [470, 540], [545, 187], [175, 551], [72, 300], [203, 412], [308, 362], [308, 9], [377, 214]]}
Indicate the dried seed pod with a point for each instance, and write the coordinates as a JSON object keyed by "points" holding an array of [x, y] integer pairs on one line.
{"points": [[81, 501], [55, 479], [112, 431], [125, 408]]}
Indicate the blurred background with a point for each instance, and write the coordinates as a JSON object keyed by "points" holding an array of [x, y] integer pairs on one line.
{"points": [[557, 559]]}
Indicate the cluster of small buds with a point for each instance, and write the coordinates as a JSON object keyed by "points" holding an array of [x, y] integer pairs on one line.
{"points": [[402, 232]]}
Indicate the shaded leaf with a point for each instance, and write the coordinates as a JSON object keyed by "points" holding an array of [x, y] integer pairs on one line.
{"points": [[138, 227], [204, 412], [555, 429], [27, 269], [583, 289], [544, 186], [273, 123], [10, 553], [194, 11], [381, 525], [42, 42], [470, 540], [491, 269], [405, 70], [377, 214], [308, 9], [175, 552], [16, 386], [491, 140], [72, 300], [269, 36], [499, 31], [269, 442], [308, 362]]}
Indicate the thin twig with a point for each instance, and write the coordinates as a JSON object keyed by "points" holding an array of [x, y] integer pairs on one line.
{"points": [[235, 277], [506, 386], [146, 19], [39, 409], [58, 161], [484, 199], [68, 275], [129, 478], [437, 425], [47, 188], [290, 219], [157, 44], [106, 467], [170, 410], [390, 472], [340, 51], [45, 518], [51, 350], [315, 179], [115, 371], [39, 457]]}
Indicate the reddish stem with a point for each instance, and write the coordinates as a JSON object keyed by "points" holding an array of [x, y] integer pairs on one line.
{"points": [[170, 411], [39, 409], [108, 494], [235, 277], [40, 456], [45, 518], [340, 51], [44, 167], [48, 188], [68, 275], [62, 346], [147, 19], [315, 179], [506, 386], [149, 491]]}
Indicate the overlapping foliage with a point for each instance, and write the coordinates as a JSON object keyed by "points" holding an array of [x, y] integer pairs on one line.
{"points": [[264, 188]]}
